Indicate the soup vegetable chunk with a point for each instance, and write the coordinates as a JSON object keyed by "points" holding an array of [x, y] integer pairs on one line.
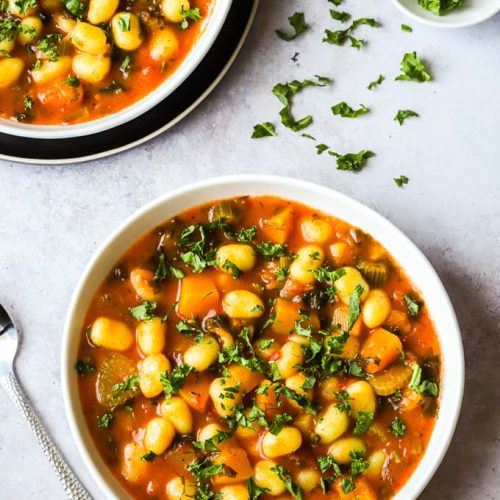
{"points": [[255, 348], [70, 61]]}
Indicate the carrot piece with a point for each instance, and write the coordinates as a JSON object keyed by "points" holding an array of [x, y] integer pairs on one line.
{"points": [[197, 296], [236, 464], [363, 491], [278, 227], [380, 349], [287, 313], [248, 379], [195, 391]]}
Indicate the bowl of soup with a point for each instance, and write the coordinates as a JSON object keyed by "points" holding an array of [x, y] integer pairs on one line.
{"points": [[257, 337], [72, 68]]}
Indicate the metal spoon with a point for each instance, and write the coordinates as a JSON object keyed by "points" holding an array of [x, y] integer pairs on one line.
{"points": [[9, 340]]}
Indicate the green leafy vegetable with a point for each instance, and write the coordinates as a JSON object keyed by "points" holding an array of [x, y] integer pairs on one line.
{"points": [[84, 367], [76, 7], [163, 270], [298, 23], [343, 404], [255, 491], [376, 82], [210, 445], [144, 312], [174, 381], [426, 387], [24, 5], [353, 162], [265, 129], [403, 114], [339, 37], [358, 463], [440, 7], [321, 148], [326, 462], [148, 456], [355, 305], [405, 27], [340, 16], [49, 45], [401, 180], [104, 420], [397, 427], [285, 91], [347, 485], [294, 489], [193, 15], [113, 88], [412, 304], [124, 22], [203, 469], [270, 250], [232, 268], [72, 81], [363, 421], [412, 69], [129, 385], [246, 235], [344, 110]]}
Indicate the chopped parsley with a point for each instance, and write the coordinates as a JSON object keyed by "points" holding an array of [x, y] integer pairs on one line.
{"points": [[246, 235], [76, 7], [24, 5], [354, 162], [440, 7], [28, 102], [49, 45], [129, 385], [72, 81], [9, 28], [174, 381], [397, 427], [339, 37], [376, 82], [343, 404], [427, 387], [281, 273], [113, 88], [163, 270], [210, 445], [344, 110], [265, 129], [125, 65], [340, 16], [413, 305], [104, 420], [405, 27], [232, 268], [144, 312], [403, 114], [203, 469], [294, 489], [412, 69], [255, 491], [298, 23], [285, 91], [355, 305], [363, 421], [358, 464], [193, 15], [401, 180], [148, 456], [270, 250], [321, 148], [84, 367], [124, 22]]}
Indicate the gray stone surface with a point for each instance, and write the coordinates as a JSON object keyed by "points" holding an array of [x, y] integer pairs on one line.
{"points": [[52, 218]]}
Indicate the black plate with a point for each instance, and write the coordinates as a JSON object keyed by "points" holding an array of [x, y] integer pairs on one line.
{"points": [[155, 121]]}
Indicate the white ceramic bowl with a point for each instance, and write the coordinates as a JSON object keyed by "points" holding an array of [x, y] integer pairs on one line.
{"points": [[214, 24], [418, 268], [473, 12]]}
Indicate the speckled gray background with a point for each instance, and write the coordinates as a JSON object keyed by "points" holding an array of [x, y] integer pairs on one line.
{"points": [[52, 218]]}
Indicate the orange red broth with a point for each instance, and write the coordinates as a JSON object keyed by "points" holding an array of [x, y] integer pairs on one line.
{"points": [[116, 295], [57, 102]]}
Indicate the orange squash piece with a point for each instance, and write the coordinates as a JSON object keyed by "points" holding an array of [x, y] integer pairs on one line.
{"points": [[287, 313], [197, 296], [380, 349], [363, 491], [247, 378], [278, 227], [195, 391], [236, 464]]}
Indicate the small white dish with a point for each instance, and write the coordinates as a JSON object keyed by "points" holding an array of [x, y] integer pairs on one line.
{"points": [[417, 267], [211, 30], [473, 12]]}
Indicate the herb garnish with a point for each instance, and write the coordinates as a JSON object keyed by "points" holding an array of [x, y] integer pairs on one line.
{"points": [[299, 25], [354, 305], [426, 387], [143, 312], [340, 16], [265, 129], [84, 367], [405, 27], [174, 381], [344, 110], [401, 180], [124, 22], [72, 81], [397, 427], [104, 420], [353, 162], [412, 69], [190, 15], [363, 421], [440, 7], [412, 304], [270, 250], [294, 489], [341, 36], [148, 456], [403, 114], [76, 7], [376, 82]]}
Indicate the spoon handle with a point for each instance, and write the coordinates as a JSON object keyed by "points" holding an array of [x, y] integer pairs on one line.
{"points": [[72, 486]]}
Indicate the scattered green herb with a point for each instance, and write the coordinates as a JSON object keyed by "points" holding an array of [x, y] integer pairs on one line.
{"points": [[344, 110], [265, 129], [412, 69], [353, 162], [401, 180], [397, 427], [144, 312], [376, 82], [298, 23], [403, 114]]}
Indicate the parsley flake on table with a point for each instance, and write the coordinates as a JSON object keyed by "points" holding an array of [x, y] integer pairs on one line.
{"points": [[405, 27], [440, 7], [376, 82], [345, 111], [340, 16], [401, 180], [285, 91], [265, 129], [298, 23], [339, 37], [413, 70], [403, 114], [354, 162]]}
